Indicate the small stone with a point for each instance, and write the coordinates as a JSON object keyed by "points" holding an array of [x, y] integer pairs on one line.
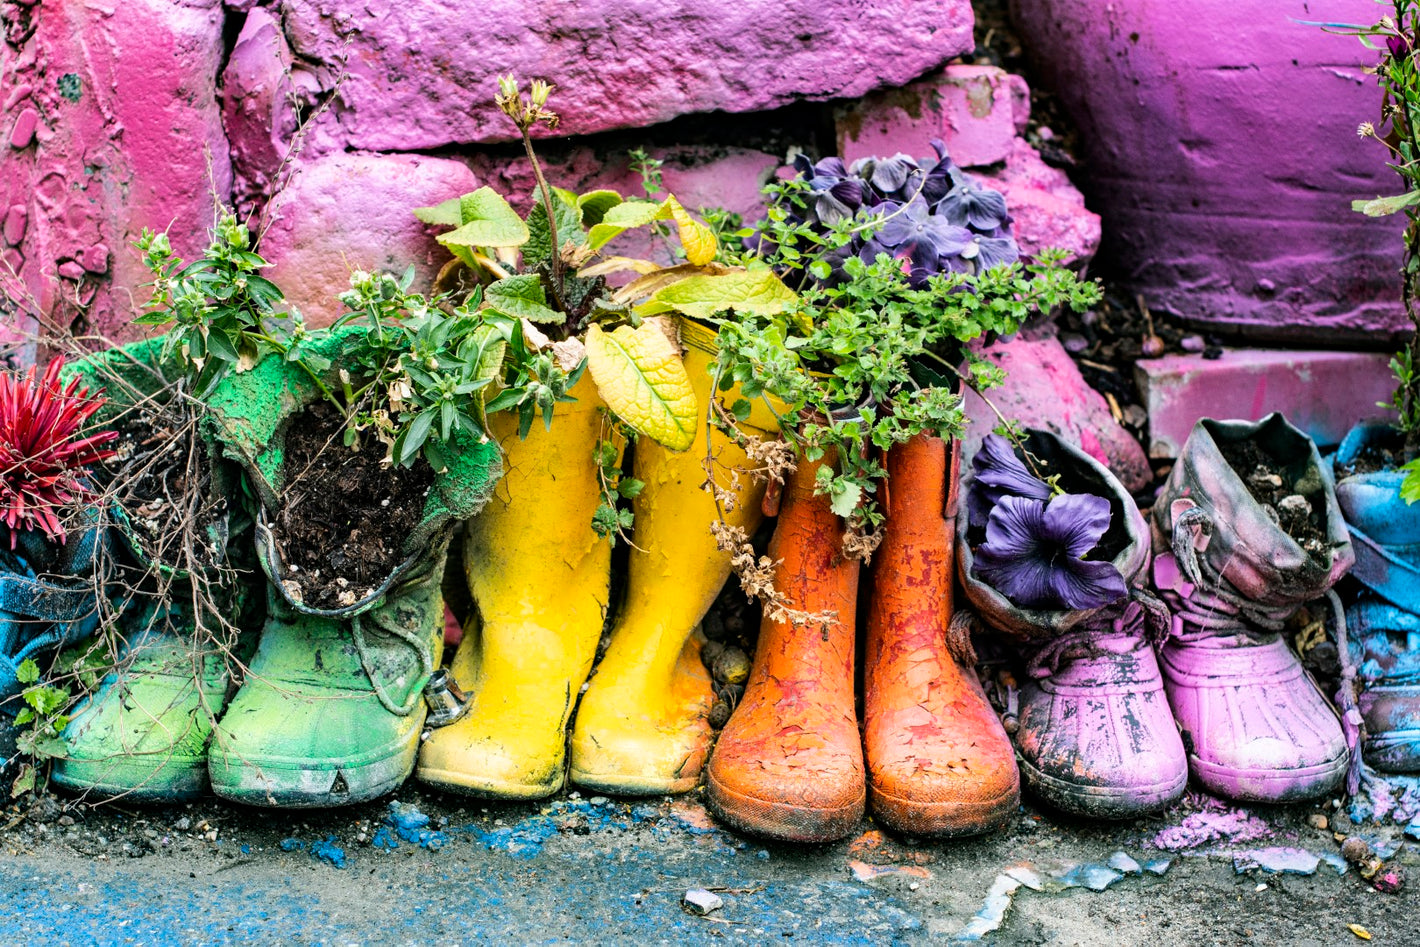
{"points": [[1355, 850], [183, 824], [1295, 505], [598, 800], [1192, 343], [1120, 861], [71, 269], [1135, 415], [702, 902], [1074, 343], [66, 820], [1318, 821], [24, 131], [709, 652], [1263, 479], [720, 714], [732, 667]]}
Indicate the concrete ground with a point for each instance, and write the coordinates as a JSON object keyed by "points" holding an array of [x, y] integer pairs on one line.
{"points": [[435, 869]]}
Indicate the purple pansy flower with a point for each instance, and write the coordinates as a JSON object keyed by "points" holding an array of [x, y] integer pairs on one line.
{"points": [[999, 473], [1034, 553]]}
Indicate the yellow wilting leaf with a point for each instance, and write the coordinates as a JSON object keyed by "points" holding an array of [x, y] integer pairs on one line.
{"points": [[640, 375], [697, 239], [1359, 931]]}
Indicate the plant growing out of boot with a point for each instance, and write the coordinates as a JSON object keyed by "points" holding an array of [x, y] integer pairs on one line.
{"points": [[898, 265], [537, 565], [544, 289], [1053, 552]]}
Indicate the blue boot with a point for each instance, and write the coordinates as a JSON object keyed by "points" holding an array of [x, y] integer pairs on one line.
{"points": [[49, 597]]}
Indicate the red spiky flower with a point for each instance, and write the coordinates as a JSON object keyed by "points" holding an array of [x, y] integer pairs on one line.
{"points": [[41, 463]]}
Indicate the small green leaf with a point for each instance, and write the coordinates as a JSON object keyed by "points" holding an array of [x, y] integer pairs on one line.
{"points": [[521, 297], [623, 217], [845, 499], [630, 487], [1410, 486], [486, 220], [27, 672], [160, 318], [593, 206], [415, 436], [1385, 206], [443, 215]]}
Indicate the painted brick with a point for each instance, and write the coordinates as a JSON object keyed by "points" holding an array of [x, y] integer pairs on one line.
{"points": [[972, 108], [1323, 393], [1045, 390]]}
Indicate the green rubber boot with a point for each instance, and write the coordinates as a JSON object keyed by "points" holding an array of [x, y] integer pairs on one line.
{"points": [[143, 733], [332, 707]]}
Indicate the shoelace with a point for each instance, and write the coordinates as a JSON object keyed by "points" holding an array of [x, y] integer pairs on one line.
{"points": [[419, 645], [1222, 608], [1141, 620]]}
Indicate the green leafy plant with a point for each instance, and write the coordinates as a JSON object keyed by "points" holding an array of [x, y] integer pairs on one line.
{"points": [[545, 294], [873, 355], [218, 309], [41, 720]]}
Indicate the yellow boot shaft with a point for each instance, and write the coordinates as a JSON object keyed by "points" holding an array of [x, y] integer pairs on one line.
{"points": [[539, 577], [641, 727]]}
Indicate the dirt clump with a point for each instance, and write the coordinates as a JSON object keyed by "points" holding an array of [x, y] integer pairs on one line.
{"points": [[345, 514]]}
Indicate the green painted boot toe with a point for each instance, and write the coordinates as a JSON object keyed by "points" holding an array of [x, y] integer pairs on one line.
{"points": [[143, 734], [332, 708]]}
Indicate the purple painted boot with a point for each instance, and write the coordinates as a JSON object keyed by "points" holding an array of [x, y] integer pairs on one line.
{"points": [[1096, 736], [1256, 725]]}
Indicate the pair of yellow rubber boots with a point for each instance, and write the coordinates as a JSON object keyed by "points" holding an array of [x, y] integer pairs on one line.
{"points": [[540, 580]]}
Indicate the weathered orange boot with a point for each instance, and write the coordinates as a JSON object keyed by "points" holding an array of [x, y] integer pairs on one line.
{"points": [[789, 764], [939, 761]]}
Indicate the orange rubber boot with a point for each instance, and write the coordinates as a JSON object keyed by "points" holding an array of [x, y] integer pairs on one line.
{"points": [[789, 764], [939, 761]]}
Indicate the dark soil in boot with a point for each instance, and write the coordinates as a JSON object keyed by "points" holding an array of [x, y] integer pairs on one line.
{"points": [[345, 514], [1275, 490], [162, 480], [1381, 454]]}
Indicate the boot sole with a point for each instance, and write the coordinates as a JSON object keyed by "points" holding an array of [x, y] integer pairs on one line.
{"points": [[942, 819], [464, 784], [782, 821], [1269, 785], [296, 787], [1395, 751], [169, 781], [618, 785], [1103, 802]]}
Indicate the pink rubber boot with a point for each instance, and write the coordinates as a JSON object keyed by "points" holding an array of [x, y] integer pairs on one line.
{"points": [[1255, 724]]}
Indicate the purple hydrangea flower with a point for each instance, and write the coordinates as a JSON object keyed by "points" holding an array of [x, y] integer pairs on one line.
{"points": [[998, 473], [952, 224], [968, 204], [1034, 553]]}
